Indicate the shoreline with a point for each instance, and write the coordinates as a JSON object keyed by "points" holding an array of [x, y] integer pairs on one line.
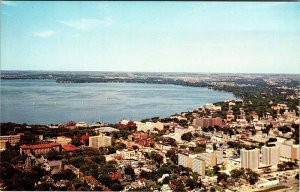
{"points": [[145, 117]]}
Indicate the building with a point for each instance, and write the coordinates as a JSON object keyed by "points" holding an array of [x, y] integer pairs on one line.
{"points": [[230, 116], [127, 154], [192, 162], [270, 155], [106, 130], [149, 126], [198, 166], [219, 156], [100, 141], [62, 140], [142, 138], [181, 130], [250, 159], [267, 182], [75, 170], [40, 149], [210, 158], [289, 151], [212, 107], [81, 125], [210, 122], [11, 139], [70, 148]]}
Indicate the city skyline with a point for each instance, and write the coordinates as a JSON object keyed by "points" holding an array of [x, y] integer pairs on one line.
{"points": [[228, 37]]}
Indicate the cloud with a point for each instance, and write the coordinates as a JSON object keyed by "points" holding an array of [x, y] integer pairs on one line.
{"points": [[8, 3], [44, 34], [87, 24]]}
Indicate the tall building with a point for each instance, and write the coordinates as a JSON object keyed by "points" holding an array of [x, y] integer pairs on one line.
{"points": [[289, 151], [100, 141], [207, 122], [219, 156], [270, 155], [249, 158], [198, 166], [192, 162], [210, 158]]}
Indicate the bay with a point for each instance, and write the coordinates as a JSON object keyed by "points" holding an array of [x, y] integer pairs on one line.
{"points": [[45, 101]]}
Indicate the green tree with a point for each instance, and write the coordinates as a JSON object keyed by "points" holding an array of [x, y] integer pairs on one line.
{"points": [[187, 136], [116, 187]]}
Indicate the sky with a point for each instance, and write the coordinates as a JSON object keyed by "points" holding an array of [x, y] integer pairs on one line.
{"points": [[229, 37]]}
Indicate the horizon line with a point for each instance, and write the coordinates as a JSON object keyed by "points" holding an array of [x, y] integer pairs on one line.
{"points": [[260, 73]]}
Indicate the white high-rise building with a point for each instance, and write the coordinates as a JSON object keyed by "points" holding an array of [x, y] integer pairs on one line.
{"points": [[100, 141], [270, 155], [249, 159], [192, 162], [219, 154], [198, 166], [183, 159]]}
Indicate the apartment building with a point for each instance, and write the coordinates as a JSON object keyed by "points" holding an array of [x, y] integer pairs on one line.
{"points": [[250, 159], [270, 155], [100, 141], [193, 162], [289, 151]]}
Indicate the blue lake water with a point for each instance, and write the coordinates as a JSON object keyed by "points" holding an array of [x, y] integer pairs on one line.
{"points": [[45, 101]]}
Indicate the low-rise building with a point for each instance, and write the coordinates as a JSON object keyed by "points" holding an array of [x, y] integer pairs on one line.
{"points": [[11, 139], [40, 149]]}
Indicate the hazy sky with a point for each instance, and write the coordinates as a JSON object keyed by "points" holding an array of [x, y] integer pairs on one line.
{"points": [[151, 36]]}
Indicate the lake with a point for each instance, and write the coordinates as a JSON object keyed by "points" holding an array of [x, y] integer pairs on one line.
{"points": [[45, 101]]}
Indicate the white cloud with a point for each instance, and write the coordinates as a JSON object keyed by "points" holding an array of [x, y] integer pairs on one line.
{"points": [[9, 3], [87, 24], [44, 34]]}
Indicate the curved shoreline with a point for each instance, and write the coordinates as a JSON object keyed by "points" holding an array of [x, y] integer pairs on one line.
{"points": [[115, 117]]}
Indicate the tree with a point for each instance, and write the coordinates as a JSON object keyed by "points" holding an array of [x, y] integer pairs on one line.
{"points": [[281, 166], [187, 136], [216, 169], [237, 173], [129, 171], [105, 180], [172, 155], [147, 175], [53, 155], [222, 176], [191, 183], [252, 176], [179, 186], [297, 176], [64, 175], [116, 187], [156, 157]]}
